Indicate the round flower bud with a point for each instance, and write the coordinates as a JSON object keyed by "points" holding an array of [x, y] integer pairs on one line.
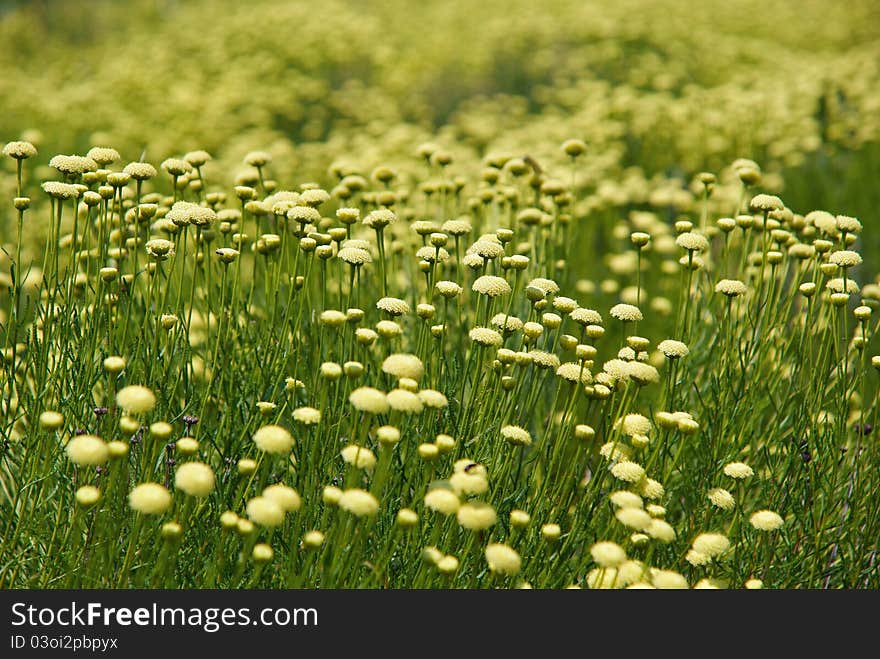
{"points": [[661, 530], [330, 371], [358, 456], [469, 482], [262, 553], [444, 443], [20, 150], [673, 349], [807, 289], [519, 518], [195, 479], [161, 430], [448, 289], [626, 499], [594, 331], [50, 420], [491, 286], [447, 564], [476, 516], [503, 559], [628, 471], [574, 148], [711, 544], [608, 554], [187, 446], [171, 530], [738, 470], [721, 498], [403, 366], [117, 449], [87, 450], [639, 238], [388, 329], [273, 439], [516, 435], [135, 399], [551, 532], [442, 501], [406, 518], [264, 511], [845, 259], [766, 520], [286, 497], [359, 503], [313, 540], [149, 499], [87, 496], [246, 466], [731, 288], [626, 313]]}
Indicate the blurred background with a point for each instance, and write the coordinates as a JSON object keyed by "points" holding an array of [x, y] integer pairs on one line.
{"points": [[659, 90]]}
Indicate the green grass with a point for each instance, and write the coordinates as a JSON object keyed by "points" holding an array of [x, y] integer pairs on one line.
{"points": [[534, 432]]}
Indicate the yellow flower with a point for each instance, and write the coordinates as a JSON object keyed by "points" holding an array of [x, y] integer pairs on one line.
{"points": [[503, 559], [149, 499], [87, 450], [195, 479]]}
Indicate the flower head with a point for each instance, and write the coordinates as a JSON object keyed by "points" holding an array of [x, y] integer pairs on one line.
{"points": [[87, 450], [573, 372], [369, 400], [584, 316], [711, 544], [403, 366], [308, 416], [140, 171], [404, 401], [442, 500], [486, 337], [765, 203], [503, 559], [358, 456], [626, 312], [19, 150], [731, 287], [721, 498], [354, 256], [195, 479], [516, 435], [136, 399], [673, 349], [491, 286], [476, 516], [286, 497], [264, 511], [273, 439], [692, 242], [149, 499], [393, 306], [738, 470], [766, 520], [628, 471], [379, 219], [845, 258], [608, 554], [359, 503]]}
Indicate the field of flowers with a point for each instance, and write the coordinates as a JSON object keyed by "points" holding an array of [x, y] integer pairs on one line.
{"points": [[439, 295]]}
